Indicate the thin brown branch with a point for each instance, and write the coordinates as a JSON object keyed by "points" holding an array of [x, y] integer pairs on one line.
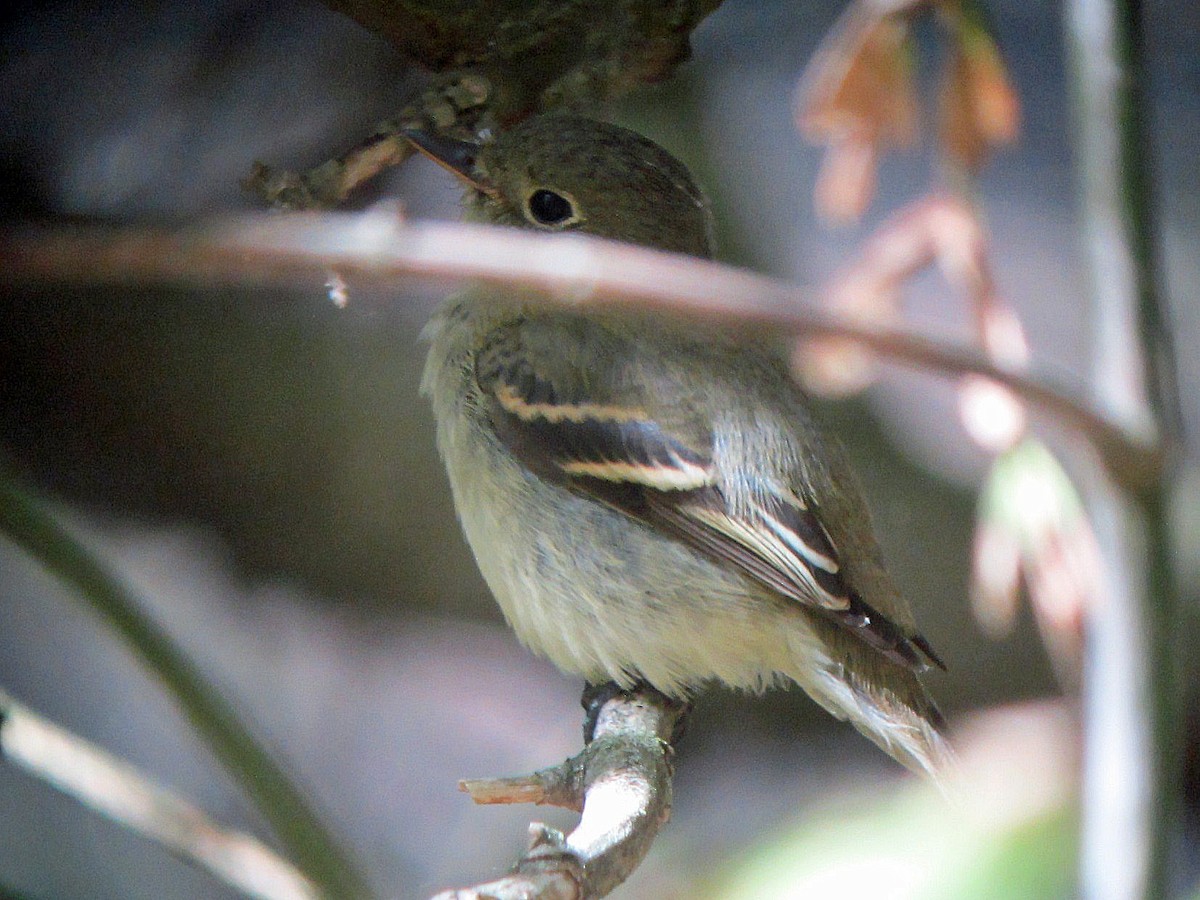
{"points": [[621, 782], [574, 269], [455, 104], [331, 182]]}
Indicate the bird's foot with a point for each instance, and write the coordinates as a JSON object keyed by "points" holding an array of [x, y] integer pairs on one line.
{"points": [[596, 695]]}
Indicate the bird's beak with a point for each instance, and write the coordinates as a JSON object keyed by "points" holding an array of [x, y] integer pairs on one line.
{"points": [[455, 155]]}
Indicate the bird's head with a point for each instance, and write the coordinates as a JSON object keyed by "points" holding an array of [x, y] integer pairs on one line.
{"points": [[568, 173]]}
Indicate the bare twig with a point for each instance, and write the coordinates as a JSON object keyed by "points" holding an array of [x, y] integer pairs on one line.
{"points": [[455, 104], [330, 183], [621, 782], [274, 250], [555, 786], [120, 792]]}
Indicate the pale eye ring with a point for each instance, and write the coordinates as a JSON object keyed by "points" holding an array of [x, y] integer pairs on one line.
{"points": [[550, 208]]}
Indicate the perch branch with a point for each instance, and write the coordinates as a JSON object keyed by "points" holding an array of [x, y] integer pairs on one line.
{"points": [[299, 250], [118, 791], [622, 784]]}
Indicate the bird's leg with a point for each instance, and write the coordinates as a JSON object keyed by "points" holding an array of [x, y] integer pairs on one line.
{"points": [[596, 695], [593, 700]]}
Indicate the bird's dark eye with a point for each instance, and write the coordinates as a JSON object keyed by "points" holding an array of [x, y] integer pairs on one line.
{"points": [[549, 208]]}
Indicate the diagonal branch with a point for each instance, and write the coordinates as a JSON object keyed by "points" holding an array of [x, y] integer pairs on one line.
{"points": [[300, 250]]}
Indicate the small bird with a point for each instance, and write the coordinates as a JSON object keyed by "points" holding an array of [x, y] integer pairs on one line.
{"points": [[650, 499]]}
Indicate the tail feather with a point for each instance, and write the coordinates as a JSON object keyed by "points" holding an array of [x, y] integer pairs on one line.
{"points": [[907, 727]]}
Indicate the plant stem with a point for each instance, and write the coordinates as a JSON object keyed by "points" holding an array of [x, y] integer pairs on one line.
{"points": [[305, 839], [1130, 797]]}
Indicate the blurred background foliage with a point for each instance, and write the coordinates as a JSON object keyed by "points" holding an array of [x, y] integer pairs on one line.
{"points": [[262, 468]]}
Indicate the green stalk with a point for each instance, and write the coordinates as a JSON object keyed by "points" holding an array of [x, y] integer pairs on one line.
{"points": [[1130, 684], [302, 835]]}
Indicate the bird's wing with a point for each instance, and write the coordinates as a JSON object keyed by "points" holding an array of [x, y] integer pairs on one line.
{"points": [[584, 428]]}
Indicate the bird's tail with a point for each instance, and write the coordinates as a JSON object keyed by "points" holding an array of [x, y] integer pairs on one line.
{"points": [[897, 714]]}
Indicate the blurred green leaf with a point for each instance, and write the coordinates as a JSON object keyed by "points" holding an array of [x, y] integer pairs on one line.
{"points": [[1033, 861], [913, 844]]}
